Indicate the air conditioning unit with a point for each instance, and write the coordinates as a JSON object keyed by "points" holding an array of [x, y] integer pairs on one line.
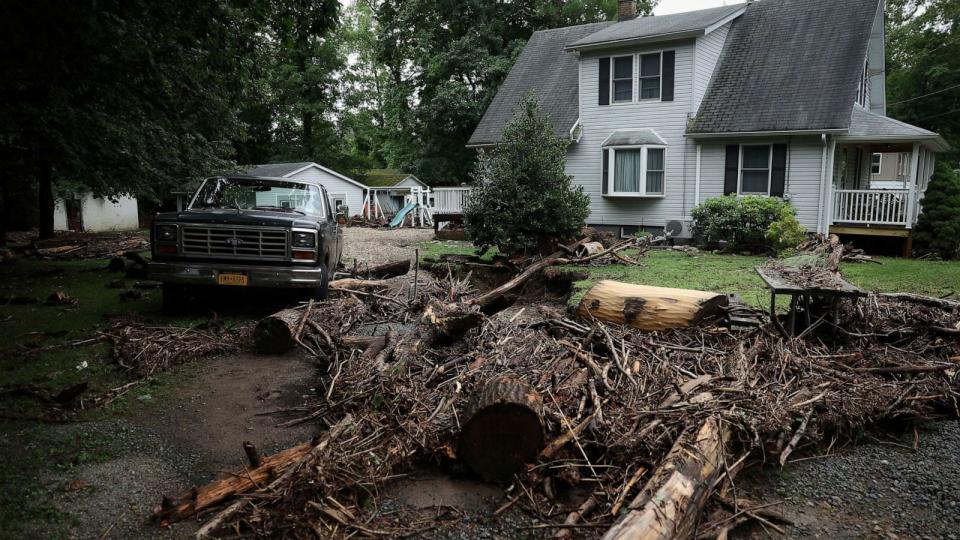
{"points": [[678, 228]]}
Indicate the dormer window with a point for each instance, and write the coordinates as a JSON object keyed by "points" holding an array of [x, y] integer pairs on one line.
{"points": [[650, 76], [622, 81]]}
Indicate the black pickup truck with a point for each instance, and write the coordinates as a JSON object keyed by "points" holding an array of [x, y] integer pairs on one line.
{"points": [[242, 231]]}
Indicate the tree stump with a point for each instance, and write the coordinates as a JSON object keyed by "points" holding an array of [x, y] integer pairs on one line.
{"points": [[503, 430], [275, 334], [648, 308]]}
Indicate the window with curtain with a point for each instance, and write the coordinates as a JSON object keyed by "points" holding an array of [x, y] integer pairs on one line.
{"points": [[634, 171], [655, 170], [650, 76], [622, 75], [755, 170], [627, 168]]}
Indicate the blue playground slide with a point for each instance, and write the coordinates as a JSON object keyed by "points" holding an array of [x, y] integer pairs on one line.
{"points": [[398, 219]]}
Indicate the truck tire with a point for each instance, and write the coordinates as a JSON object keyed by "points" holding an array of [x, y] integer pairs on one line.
{"points": [[321, 292], [174, 299]]}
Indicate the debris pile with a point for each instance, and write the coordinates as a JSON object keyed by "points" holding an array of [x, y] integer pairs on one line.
{"points": [[554, 406], [74, 245], [146, 349]]}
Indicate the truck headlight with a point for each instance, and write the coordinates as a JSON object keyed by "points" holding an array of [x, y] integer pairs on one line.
{"points": [[167, 233], [304, 240]]}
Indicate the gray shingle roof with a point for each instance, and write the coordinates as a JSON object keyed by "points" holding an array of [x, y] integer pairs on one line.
{"points": [[789, 65], [644, 28], [864, 123], [544, 68], [275, 170], [633, 137]]}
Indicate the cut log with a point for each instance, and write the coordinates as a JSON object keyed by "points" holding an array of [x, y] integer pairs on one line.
{"points": [[358, 284], [589, 248], [503, 430], [275, 334], [386, 271], [212, 494], [669, 505], [648, 308]]}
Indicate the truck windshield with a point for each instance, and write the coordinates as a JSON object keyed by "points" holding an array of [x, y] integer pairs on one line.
{"points": [[254, 194]]}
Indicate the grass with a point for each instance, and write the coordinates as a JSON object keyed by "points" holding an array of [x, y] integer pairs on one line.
{"points": [[735, 274]]}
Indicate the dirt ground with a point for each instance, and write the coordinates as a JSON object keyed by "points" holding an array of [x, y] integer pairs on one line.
{"points": [[378, 246]]}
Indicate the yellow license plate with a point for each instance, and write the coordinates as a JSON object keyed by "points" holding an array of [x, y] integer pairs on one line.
{"points": [[239, 280]]}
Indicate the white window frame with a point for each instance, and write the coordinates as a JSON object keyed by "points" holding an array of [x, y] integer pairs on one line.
{"points": [[611, 170], [740, 191], [640, 76], [878, 165], [633, 79], [334, 197]]}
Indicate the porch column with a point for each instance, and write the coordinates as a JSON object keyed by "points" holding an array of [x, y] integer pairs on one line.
{"points": [[912, 194]]}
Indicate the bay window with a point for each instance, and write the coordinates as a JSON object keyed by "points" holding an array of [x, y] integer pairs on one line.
{"points": [[634, 171]]}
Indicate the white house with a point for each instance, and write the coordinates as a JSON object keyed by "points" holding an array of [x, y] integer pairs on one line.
{"points": [[87, 212], [342, 189], [782, 98]]}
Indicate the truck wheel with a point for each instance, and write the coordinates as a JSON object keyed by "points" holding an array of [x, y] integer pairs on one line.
{"points": [[320, 293], [174, 299]]}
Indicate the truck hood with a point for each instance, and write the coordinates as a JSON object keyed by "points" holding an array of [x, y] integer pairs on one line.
{"points": [[257, 218]]}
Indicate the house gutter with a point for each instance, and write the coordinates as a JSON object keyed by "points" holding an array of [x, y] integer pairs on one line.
{"points": [[825, 167], [696, 188]]}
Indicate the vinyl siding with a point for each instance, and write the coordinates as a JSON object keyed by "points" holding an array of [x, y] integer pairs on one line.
{"points": [[708, 52], [803, 173], [334, 185], [410, 182], [668, 119]]}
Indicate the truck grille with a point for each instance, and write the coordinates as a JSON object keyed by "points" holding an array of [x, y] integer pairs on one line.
{"points": [[235, 243]]}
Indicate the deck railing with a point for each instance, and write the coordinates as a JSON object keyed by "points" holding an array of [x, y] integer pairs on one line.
{"points": [[873, 207], [450, 200]]}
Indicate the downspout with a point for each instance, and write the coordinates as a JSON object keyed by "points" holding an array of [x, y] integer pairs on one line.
{"points": [[823, 185], [696, 188]]}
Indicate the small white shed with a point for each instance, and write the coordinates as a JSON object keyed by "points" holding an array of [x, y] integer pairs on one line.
{"points": [[87, 212], [342, 189]]}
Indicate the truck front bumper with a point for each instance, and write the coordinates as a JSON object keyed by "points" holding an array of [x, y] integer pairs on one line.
{"points": [[202, 273]]}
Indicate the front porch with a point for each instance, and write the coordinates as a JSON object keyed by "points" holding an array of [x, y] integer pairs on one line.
{"points": [[880, 171]]}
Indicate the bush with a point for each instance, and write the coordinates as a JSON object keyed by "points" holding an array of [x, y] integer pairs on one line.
{"points": [[523, 199], [745, 221], [938, 229], [786, 233]]}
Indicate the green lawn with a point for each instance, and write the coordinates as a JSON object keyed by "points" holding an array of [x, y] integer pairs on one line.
{"points": [[735, 274]]}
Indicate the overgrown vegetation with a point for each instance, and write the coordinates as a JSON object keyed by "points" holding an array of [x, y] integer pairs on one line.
{"points": [[751, 223], [524, 199], [938, 230]]}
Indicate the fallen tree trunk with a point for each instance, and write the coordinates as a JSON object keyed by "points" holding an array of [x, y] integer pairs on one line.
{"points": [[386, 271], [276, 334], [503, 430], [648, 308], [278, 466], [358, 284], [670, 503]]}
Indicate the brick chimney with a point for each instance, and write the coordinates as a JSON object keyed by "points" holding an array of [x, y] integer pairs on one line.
{"points": [[626, 10]]}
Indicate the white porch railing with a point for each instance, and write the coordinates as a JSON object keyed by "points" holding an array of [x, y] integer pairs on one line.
{"points": [[873, 207], [450, 200]]}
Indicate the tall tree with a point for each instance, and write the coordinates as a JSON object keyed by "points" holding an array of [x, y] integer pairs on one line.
{"points": [[923, 66], [302, 83], [120, 96], [446, 60]]}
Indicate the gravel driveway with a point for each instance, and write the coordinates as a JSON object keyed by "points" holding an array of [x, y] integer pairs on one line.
{"points": [[875, 490], [378, 246]]}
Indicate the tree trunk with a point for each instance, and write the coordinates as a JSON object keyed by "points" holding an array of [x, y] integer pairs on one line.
{"points": [[648, 308], [358, 284], [669, 505], [275, 334], [386, 271], [45, 196], [270, 467], [503, 430]]}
